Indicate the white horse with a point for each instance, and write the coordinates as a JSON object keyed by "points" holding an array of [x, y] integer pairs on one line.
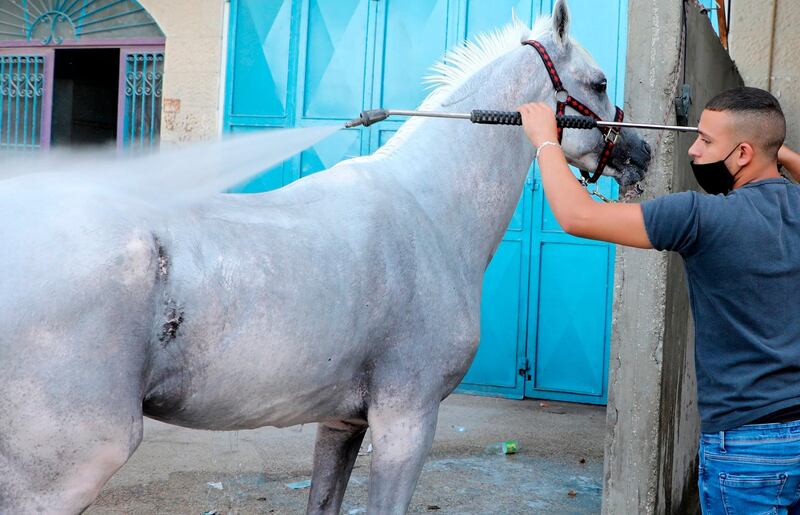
{"points": [[350, 298]]}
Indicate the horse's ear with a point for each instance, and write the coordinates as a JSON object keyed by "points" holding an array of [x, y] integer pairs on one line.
{"points": [[561, 22]]}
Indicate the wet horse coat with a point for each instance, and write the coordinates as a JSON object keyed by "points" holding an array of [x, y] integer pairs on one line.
{"points": [[349, 298]]}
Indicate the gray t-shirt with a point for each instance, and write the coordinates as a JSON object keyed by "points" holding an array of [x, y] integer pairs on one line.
{"points": [[741, 254]]}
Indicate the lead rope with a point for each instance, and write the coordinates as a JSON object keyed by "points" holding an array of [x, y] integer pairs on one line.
{"points": [[595, 191]]}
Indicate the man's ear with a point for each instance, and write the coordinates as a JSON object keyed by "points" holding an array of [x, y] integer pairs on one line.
{"points": [[744, 154]]}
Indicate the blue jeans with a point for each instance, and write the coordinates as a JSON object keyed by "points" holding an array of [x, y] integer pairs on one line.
{"points": [[752, 470]]}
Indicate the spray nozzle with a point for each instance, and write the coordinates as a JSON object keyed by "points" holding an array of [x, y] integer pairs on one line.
{"points": [[367, 118]]}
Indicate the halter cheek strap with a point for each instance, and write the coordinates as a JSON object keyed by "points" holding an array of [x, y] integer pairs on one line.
{"points": [[564, 99]]}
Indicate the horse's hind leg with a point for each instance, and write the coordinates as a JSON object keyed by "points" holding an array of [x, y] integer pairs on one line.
{"points": [[55, 457], [56, 464], [334, 456], [70, 414]]}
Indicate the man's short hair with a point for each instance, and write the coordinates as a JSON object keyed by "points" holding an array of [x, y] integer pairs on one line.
{"points": [[758, 117]]}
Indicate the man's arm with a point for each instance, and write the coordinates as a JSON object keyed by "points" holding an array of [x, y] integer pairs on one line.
{"points": [[572, 205], [790, 160]]}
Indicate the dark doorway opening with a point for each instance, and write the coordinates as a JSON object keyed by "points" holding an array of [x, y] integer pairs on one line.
{"points": [[85, 97]]}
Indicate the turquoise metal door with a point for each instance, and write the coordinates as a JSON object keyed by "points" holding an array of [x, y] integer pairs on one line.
{"points": [[262, 74], [277, 79], [571, 294], [504, 306], [546, 311], [295, 63]]}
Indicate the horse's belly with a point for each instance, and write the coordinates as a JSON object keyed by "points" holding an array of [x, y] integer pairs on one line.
{"points": [[205, 410], [252, 384]]}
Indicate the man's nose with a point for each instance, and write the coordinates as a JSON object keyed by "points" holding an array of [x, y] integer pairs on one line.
{"points": [[693, 151]]}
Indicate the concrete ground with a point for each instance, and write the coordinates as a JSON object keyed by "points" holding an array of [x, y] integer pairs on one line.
{"points": [[558, 468]]}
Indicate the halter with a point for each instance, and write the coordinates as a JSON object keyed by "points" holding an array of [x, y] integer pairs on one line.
{"points": [[564, 99]]}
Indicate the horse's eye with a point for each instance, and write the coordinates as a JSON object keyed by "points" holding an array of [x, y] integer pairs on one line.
{"points": [[600, 87]]}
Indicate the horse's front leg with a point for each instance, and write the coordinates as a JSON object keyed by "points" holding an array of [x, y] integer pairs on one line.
{"points": [[334, 455], [401, 440]]}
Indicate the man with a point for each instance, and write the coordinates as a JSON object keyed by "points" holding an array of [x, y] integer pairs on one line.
{"points": [[741, 252]]}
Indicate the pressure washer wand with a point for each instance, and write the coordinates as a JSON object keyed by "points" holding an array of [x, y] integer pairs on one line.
{"points": [[367, 118]]}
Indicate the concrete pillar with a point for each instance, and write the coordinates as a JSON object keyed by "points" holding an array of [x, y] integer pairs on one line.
{"points": [[652, 420], [634, 390]]}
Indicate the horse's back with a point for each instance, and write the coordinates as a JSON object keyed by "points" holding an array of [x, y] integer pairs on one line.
{"points": [[61, 236]]}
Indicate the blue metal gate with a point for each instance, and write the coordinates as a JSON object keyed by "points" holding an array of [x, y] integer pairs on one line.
{"points": [[139, 122], [25, 100], [569, 319], [547, 296]]}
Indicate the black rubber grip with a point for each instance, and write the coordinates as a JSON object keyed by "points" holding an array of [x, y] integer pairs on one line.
{"points": [[576, 122], [514, 118], [495, 117]]}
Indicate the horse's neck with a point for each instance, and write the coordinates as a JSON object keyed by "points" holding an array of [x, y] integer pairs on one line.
{"points": [[468, 178]]}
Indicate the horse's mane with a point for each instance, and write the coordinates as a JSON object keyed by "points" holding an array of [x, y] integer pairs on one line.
{"points": [[461, 63]]}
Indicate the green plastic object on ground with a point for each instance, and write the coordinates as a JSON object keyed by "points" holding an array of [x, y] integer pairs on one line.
{"points": [[507, 447]]}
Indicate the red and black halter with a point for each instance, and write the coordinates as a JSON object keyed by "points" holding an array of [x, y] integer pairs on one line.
{"points": [[564, 99]]}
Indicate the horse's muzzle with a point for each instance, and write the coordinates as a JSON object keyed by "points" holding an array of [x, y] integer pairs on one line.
{"points": [[631, 158]]}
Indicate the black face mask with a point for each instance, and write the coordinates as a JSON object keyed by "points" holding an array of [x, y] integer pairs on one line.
{"points": [[714, 178]]}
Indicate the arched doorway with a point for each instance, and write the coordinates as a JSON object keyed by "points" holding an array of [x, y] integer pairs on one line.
{"points": [[79, 72]]}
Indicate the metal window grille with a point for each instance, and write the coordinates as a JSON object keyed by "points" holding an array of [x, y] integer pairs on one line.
{"points": [[144, 76], [21, 96]]}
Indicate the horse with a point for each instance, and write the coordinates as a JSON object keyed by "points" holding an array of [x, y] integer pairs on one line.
{"points": [[349, 298]]}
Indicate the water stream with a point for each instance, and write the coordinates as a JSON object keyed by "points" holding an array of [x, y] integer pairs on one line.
{"points": [[175, 176]]}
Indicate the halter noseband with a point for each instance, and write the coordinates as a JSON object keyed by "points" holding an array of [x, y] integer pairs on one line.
{"points": [[564, 99]]}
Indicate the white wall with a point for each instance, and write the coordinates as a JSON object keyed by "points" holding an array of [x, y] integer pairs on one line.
{"points": [[193, 67]]}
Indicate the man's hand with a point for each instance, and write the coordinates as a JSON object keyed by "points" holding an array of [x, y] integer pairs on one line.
{"points": [[783, 154], [790, 160], [539, 123], [577, 213]]}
